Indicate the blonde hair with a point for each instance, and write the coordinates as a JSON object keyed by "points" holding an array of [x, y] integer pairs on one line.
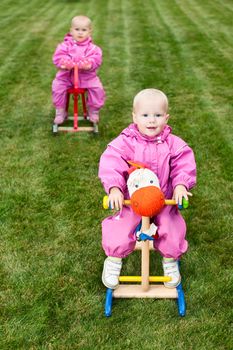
{"points": [[154, 93], [81, 18]]}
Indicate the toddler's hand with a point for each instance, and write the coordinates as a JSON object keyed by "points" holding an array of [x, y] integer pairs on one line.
{"points": [[116, 198], [180, 191], [66, 64], [85, 65]]}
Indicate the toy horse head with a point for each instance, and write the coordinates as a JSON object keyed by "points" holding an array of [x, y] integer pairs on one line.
{"points": [[146, 197]]}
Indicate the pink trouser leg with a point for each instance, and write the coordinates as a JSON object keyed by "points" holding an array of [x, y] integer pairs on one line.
{"points": [[95, 98], [59, 92], [172, 230], [118, 238]]}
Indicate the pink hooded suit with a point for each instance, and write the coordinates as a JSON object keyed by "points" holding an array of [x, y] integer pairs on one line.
{"points": [[70, 49], [172, 160]]}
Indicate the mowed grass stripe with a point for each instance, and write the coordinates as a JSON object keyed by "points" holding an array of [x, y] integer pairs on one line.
{"points": [[225, 5], [213, 28], [212, 69], [214, 16], [194, 52], [202, 48], [175, 74], [14, 15], [11, 13], [18, 34], [218, 29], [220, 94], [142, 48], [24, 154], [113, 68], [17, 54], [130, 78], [113, 44], [214, 9]]}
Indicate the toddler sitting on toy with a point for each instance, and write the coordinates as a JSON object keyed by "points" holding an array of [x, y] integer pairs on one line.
{"points": [[77, 48], [148, 140]]}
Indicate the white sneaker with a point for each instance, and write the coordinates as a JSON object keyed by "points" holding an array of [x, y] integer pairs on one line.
{"points": [[111, 272], [171, 269], [95, 128]]}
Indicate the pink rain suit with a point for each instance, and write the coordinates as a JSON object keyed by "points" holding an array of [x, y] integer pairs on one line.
{"points": [[70, 49], [172, 160]]}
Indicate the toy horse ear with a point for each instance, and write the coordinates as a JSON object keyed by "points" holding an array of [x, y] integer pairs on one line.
{"points": [[136, 165], [130, 170]]}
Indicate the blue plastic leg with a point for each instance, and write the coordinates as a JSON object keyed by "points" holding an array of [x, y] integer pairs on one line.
{"points": [[181, 300], [108, 302]]}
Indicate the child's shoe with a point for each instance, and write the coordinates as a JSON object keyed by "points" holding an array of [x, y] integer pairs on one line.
{"points": [[111, 272], [60, 116], [94, 116], [171, 269]]}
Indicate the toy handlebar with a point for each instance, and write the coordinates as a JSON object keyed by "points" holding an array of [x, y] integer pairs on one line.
{"points": [[185, 203], [76, 76]]}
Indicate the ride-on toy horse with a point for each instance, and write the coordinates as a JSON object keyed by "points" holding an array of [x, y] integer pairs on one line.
{"points": [[147, 200], [76, 92]]}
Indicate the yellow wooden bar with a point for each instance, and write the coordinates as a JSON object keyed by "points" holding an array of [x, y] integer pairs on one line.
{"points": [[170, 202], [139, 279]]}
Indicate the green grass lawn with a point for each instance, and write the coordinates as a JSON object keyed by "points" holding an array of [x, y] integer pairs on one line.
{"points": [[51, 295]]}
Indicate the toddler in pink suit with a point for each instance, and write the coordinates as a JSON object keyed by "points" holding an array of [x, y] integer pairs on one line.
{"points": [[148, 140], [77, 47]]}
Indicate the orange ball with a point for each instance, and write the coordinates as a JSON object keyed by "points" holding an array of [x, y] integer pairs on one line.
{"points": [[147, 201]]}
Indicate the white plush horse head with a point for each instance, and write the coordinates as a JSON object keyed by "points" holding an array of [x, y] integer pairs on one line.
{"points": [[146, 197], [142, 177]]}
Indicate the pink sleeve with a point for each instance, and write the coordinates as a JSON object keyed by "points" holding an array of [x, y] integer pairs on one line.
{"points": [[183, 165], [95, 57], [113, 165], [60, 53]]}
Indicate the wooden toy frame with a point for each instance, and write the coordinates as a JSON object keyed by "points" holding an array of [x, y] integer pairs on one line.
{"points": [[145, 289]]}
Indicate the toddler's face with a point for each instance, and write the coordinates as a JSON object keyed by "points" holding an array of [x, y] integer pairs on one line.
{"points": [[150, 115], [80, 30]]}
